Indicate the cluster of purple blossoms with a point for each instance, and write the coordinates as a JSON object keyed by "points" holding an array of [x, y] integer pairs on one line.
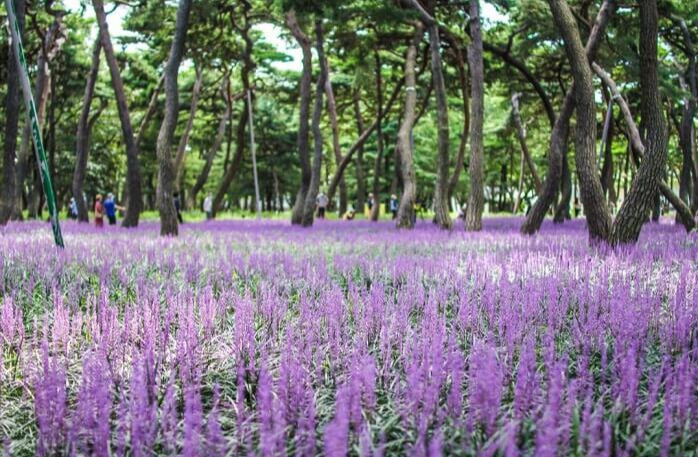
{"points": [[256, 338]]}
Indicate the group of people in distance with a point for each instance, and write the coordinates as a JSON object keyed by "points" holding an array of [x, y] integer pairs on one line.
{"points": [[108, 207], [322, 202]]}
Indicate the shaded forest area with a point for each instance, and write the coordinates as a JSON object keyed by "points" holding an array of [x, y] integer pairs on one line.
{"points": [[542, 108]]}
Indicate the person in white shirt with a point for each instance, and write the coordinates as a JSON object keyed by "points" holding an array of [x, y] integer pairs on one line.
{"points": [[322, 202], [208, 207]]}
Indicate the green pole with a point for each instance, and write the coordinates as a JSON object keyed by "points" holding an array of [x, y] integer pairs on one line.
{"points": [[34, 119]]}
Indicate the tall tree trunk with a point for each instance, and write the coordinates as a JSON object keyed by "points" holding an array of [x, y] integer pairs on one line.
{"points": [[240, 139], [332, 111], [476, 199], [687, 144], [598, 218], [82, 148], [11, 190], [460, 157], [360, 177], [217, 142], [441, 214], [441, 195], [311, 197], [521, 134], [405, 214], [133, 172], [184, 140], [634, 210], [375, 211], [50, 47], [166, 170], [560, 132], [303, 116], [637, 150]]}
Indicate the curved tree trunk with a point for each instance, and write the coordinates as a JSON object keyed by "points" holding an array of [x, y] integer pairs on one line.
{"points": [[83, 135], [405, 213], [303, 116], [560, 132], [476, 199], [10, 190], [598, 218], [133, 172], [346, 160], [166, 170], [332, 111], [634, 210], [184, 140], [637, 149], [313, 189]]}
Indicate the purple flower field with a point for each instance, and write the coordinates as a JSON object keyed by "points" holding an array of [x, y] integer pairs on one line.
{"points": [[256, 338]]}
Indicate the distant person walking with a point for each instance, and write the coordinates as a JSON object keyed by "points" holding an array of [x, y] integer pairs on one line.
{"points": [[73, 209], [178, 207], [208, 207], [393, 205], [370, 202], [110, 208], [322, 202], [99, 211]]}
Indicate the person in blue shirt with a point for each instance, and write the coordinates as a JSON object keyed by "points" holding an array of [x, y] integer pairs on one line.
{"points": [[110, 208]]}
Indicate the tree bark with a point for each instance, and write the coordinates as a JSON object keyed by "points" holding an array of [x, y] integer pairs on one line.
{"points": [[636, 151], [184, 140], [10, 190], [360, 176], [441, 214], [562, 209], [150, 111], [598, 218], [476, 199], [246, 71], [346, 160], [687, 133], [521, 134], [405, 214], [637, 204], [460, 157], [607, 167], [332, 111], [50, 47], [313, 189], [133, 172], [303, 117], [375, 211], [560, 132], [166, 170], [211, 154], [83, 135]]}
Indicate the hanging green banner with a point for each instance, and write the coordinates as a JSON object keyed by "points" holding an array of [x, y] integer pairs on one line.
{"points": [[33, 118]]}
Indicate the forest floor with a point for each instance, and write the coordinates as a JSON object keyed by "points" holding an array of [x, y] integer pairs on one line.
{"points": [[346, 338]]}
